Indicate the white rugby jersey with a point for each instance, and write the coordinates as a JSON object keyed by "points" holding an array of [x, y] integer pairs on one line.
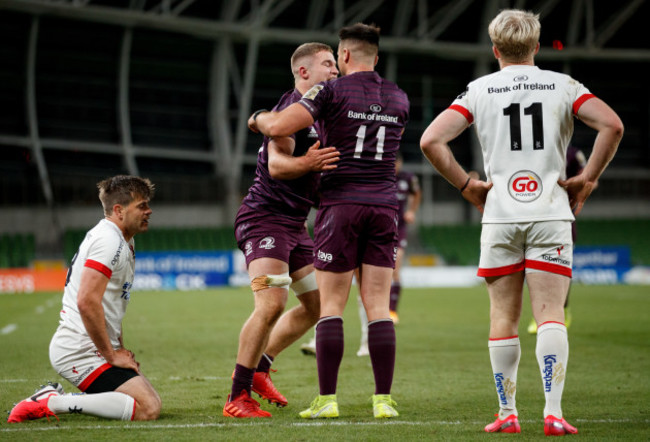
{"points": [[524, 122], [103, 249]]}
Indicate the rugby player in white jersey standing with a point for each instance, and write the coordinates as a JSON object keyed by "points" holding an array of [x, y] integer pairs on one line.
{"points": [[524, 121], [87, 348]]}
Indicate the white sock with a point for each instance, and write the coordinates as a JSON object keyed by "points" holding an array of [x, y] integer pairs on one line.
{"points": [[504, 356], [552, 356], [363, 317], [110, 405]]}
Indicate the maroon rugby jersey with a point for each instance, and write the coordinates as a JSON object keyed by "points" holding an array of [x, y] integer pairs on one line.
{"points": [[363, 116], [289, 198]]}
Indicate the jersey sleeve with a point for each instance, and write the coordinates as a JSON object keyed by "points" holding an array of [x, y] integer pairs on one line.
{"points": [[462, 105], [316, 99], [103, 254], [582, 94]]}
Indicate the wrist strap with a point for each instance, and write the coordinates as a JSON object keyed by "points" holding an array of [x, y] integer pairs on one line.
{"points": [[466, 183], [257, 112]]}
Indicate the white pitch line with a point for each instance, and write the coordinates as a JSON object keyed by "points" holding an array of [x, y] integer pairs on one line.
{"points": [[8, 329], [289, 424]]}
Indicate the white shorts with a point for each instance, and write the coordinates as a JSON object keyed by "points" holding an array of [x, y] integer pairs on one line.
{"points": [[544, 246], [75, 358]]}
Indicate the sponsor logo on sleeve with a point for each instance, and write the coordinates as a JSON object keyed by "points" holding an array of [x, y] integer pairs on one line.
{"points": [[525, 186], [311, 93], [116, 257]]}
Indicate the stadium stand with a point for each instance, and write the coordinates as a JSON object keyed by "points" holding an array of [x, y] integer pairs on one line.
{"points": [[16, 250]]}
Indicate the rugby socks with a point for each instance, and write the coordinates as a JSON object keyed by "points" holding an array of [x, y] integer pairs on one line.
{"points": [[109, 405], [504, 356], [242, 379], [552, 356], [395, 292], [265, 363], [329, 352], [381, 345]]}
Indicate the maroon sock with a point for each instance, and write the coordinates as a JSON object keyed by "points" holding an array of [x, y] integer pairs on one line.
{"points": [[395, 291], [241, 380], [381, 345], [265, 363], [329, 352]]}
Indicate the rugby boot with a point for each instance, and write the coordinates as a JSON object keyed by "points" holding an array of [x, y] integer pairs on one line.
{"points": [[322, 407], [507, 425], [243, 406], [263, 386], [383, 406], [557, 427], [35, 406]]}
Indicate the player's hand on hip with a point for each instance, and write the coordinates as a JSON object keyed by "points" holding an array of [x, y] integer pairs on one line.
{"points": [[321, 159], [578, 189], [476, 193], [124, 358]]}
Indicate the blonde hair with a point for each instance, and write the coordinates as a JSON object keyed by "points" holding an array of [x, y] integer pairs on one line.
{"points": [[307, 50], [515, 33], [123, 190]]}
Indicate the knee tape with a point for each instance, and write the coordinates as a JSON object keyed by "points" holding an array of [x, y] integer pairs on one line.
{"points": [[265, 281], [304, 285]]}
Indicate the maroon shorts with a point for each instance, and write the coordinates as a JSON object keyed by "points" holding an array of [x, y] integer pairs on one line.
{"points": [[268, 236], [348, 235], [402, 233]]}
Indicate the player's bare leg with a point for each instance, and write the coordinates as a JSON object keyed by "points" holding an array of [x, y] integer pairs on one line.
{"points": [[147, 399], [506, 293], [253, 338], [293, 324]]}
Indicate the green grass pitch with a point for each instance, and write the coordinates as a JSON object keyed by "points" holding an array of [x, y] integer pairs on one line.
{"points": [[186, 343]]}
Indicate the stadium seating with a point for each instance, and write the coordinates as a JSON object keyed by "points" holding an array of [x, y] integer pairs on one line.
{"points": [[455, 244], [16, 249], [167, 239]]}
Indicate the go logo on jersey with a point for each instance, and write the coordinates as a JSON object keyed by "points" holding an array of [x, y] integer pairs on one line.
{"points": [[525, 186]]}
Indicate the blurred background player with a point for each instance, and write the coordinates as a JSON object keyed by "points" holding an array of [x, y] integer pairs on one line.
{"points": [[364, 116], [270, 231], [88, 346], [409, 196], [575, 162], [524, 122]]}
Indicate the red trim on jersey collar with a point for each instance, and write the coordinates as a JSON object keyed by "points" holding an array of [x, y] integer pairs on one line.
{"points": [[580, 101], [548, 267], [467, 114], [99, 267]]}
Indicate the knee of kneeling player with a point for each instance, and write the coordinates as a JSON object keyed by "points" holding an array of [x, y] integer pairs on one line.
{"points": [[148, 411]]}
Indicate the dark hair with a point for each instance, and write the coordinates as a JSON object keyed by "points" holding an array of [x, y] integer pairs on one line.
{"points": [[361, 32], [123, 189]]}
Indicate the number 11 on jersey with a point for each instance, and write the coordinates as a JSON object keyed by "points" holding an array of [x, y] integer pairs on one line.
{"points": [[361, 137]]}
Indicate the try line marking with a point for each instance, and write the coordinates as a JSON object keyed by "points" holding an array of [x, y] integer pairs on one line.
{"points": [[289, 425]]}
